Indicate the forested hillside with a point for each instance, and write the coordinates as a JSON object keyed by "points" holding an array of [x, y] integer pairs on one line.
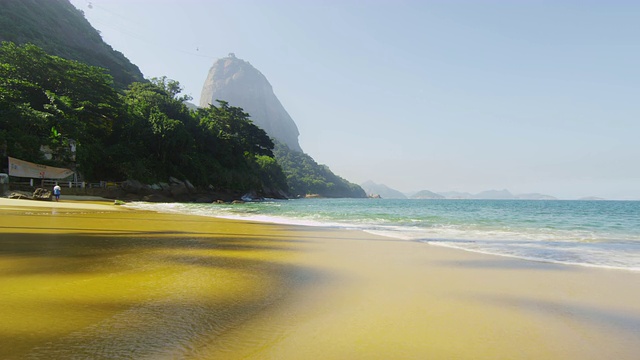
{"points": [[306, 176], [146, 133], [124, 126], [60, 29]]}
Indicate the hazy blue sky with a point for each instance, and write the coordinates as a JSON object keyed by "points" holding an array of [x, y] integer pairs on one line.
{"points": [[532, 96]]}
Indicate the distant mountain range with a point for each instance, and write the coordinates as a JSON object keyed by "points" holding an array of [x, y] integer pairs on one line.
{"points": [[456, 195], [506, 195], [426, 194], [386, 192], [592, 198], [373, 190]]}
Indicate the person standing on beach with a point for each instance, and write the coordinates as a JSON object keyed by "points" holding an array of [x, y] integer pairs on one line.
{"points": [[56, 192]]}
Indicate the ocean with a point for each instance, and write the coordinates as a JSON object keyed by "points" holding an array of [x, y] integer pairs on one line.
{"points": [[603, 234]]}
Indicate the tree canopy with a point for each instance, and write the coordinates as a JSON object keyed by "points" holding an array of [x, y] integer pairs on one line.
{"points": [[306, 176], [49, 101], [60, 29], [145, 133], [50, 106]]}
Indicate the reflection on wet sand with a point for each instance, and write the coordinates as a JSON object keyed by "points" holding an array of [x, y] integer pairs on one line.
{"points": [[92, 281], [78, 284]]}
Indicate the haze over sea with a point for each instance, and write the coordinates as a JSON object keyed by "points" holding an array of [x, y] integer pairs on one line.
{"points": [[602, 234]]}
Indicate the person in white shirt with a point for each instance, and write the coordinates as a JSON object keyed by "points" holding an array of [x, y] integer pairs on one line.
{"points": [[56, 192]]}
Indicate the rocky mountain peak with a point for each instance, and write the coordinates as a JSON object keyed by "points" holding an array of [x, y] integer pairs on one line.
{"points": [[240, 84]]}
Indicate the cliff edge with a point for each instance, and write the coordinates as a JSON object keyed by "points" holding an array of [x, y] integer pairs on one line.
{"points": [[240, 84]]}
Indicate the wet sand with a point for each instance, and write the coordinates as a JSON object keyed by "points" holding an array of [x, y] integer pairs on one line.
{"points": [[94, 280]]}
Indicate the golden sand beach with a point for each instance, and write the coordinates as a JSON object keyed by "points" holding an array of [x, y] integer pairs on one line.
{"points": [[91, 280]]}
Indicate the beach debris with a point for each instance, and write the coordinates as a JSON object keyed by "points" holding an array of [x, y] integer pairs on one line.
{"points": [[19, 195], [119, 202], [41, 194]]}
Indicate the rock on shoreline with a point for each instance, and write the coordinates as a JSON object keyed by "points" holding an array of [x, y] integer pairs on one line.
{"points": [[173, 191]]}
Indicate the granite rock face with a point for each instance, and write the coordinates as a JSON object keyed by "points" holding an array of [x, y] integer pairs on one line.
{"points": [[240, 84]]}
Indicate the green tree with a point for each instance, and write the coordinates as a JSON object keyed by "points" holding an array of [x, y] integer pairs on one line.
{"points": [[62, 30], [146, 133], [271, 173], [305, 176], [157, 125], [41, 95], [230, 137]]}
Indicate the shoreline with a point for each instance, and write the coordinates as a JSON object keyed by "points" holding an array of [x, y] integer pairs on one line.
{"points": [[536, 260], [569, 246], [199, 287], [69, 202]]}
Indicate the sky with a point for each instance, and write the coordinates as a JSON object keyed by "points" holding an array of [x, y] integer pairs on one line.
{"points": [[529, 96]]}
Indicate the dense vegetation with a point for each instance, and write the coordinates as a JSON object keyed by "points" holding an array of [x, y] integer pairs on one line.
{"points": [[60, 29], [145, 133], [305, 176], [124, 126]]}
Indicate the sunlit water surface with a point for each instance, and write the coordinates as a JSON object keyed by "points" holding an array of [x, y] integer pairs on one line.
{"points": [[587, 233]]}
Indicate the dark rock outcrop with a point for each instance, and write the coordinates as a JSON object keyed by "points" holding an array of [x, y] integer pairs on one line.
{"points": [[240, 84], [157, 198], [175, 190], [134, 187]]}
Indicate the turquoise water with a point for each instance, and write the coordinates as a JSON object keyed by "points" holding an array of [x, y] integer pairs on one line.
{"points": [[587, 233]]}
